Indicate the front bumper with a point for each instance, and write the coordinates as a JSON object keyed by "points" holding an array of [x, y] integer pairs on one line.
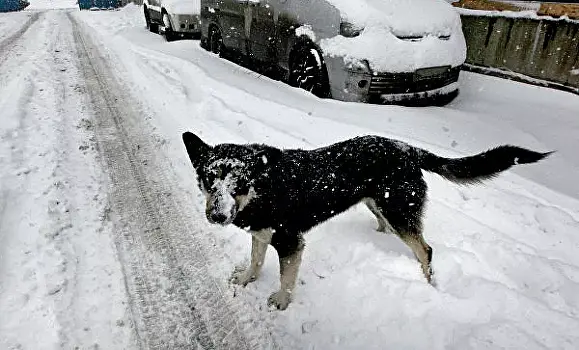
{"points": [[186, 24], [421, 86]]}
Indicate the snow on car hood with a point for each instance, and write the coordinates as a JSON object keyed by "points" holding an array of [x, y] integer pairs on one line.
{"points": [[183, 7], [385, 52], [399, 35], [404, 17]]}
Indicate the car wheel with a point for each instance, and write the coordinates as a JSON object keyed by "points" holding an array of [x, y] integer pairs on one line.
{"points": [[168, 32], [215, 41], [147, 18], [152, 27], [204, 43], [308, 71]]}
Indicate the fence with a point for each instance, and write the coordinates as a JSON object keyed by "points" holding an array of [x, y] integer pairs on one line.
{"points": [[546, 49]]}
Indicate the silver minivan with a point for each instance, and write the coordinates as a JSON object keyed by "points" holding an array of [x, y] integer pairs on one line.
{"points": [[385, 51]]}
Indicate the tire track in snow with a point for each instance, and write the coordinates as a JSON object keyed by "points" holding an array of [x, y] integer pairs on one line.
{"points": [[174, 300], [5, 45]]}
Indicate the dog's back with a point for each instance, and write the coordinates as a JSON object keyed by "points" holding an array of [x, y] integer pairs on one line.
{"points": [[305, 188]]}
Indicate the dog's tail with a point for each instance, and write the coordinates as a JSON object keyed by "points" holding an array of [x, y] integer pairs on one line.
{"points": [[480, 167]]}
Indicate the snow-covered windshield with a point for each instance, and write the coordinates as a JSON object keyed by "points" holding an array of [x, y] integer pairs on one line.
{"points": [[182, 6]]}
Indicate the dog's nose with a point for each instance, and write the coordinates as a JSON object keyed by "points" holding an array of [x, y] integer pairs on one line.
{"points": [[217, 218]]}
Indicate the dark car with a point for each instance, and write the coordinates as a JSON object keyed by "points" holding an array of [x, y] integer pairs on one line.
{"points": [[351, 50]]}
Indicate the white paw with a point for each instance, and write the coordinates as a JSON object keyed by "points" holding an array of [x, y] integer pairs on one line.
{"points": [[280, 300], [243, 277]]}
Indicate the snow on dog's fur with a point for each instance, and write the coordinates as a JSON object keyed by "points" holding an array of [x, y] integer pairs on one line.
{"points": [[278, 195]]}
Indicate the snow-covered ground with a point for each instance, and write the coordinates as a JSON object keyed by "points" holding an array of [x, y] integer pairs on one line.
{"points": [[60, 283], [505, 254], [10, 23]]}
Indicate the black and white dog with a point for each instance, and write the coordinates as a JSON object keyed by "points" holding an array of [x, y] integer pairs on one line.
{"points": [[278, 195]]}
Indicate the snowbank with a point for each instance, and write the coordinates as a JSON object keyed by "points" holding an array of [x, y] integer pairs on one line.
{"points": [[513, 14], [51, 4]]}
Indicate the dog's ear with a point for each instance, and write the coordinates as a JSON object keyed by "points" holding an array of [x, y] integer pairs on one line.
{"points": [[197, 149]]}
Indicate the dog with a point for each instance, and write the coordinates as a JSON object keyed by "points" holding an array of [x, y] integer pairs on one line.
{"points": [[279, 195]]}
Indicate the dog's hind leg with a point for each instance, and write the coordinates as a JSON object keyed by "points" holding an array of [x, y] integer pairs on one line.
{"points": [[422, 251], [258, 250], [383, 225], [403, 209], [408, 226]]}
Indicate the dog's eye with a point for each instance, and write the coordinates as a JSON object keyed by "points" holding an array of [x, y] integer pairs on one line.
{"points": [[203, 181], [216, 172]]}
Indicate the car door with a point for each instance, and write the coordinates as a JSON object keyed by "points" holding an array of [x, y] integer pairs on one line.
{"points": [[232, 21], [286, 21], [261, 17]]}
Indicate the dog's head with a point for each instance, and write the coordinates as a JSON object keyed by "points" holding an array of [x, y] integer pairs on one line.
{"points": [[227, 174]]}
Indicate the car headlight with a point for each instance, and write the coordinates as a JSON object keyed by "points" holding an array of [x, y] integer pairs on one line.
{"points": [[350, 30]]}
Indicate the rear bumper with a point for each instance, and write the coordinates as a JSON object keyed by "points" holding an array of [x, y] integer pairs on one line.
{"points": [[425, 86], [186, 24]]}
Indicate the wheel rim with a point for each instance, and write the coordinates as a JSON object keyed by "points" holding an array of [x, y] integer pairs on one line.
{"points": [[306, 70], [216, 41]]}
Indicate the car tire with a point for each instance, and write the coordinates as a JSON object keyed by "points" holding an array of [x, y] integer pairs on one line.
{"points": [[215, 41], [204, 43], [147, 18], [152, 27], [308, 71], [168, 32]]}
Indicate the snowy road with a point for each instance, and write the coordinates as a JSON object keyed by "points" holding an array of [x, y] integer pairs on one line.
{"points": [[103, 241], [56, 251], [66, 105]]}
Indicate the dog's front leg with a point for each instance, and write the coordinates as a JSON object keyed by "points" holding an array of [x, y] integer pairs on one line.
{"points": [[250, 274], [289, 267]]}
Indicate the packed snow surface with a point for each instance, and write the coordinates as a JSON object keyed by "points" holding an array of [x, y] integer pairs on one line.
{"points": [[506, 254], [11, 22]]}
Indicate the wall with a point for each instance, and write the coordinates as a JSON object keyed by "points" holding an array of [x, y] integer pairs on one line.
{"points": [[539, 48]]}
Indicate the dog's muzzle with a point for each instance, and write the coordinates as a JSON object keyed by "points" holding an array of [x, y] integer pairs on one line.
{"points": [[221, 210]]}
